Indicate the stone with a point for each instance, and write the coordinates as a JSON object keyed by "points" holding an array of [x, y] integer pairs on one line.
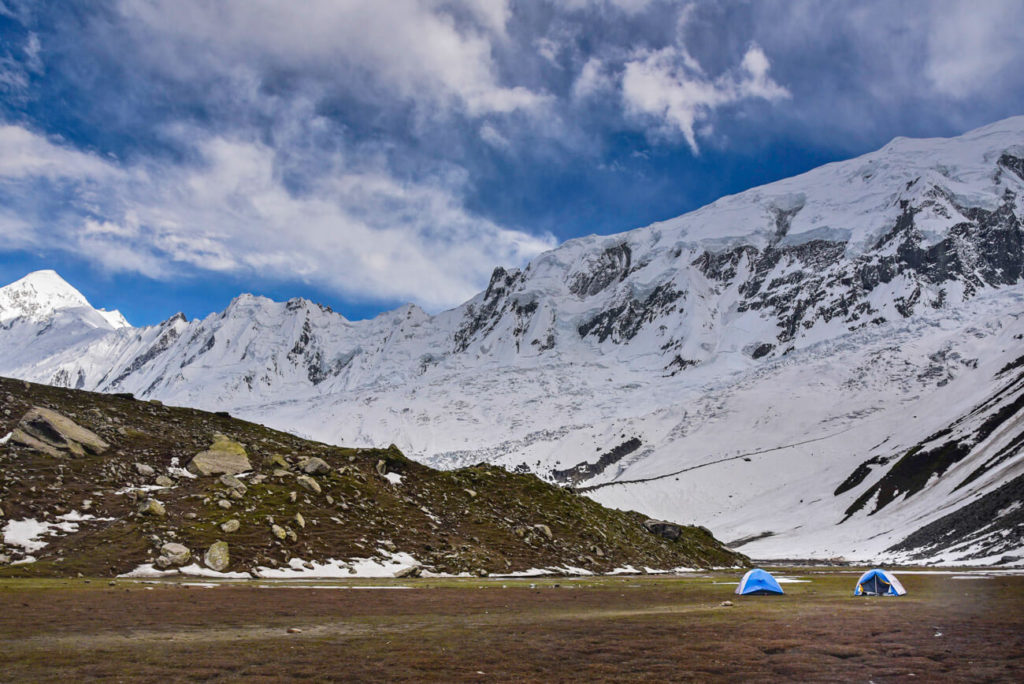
{"points": [[306, 482], [190, 516], [276, 460], [163, 481], [152, 507], [545, 530], [294, 630], [224, 503], [230, 526], [233, 483], [664, 528], [411, 571], [278, 532], [177, 554], [162, 563], [217, 557], [382, 468], [292, 536], [4, 559], [56, 435], [300, 521], [224, 457], [144, 470], [315, 466], [472, 494], [726, 604], [293, 497], [1, 512]]}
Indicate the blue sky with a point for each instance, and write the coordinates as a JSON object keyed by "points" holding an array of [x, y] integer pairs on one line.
{"points": [[165, 155]]}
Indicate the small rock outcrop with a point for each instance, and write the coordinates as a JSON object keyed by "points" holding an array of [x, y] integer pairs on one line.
{"points": [[224, 457], [315, 466], [51, 433], [664, 528], [217, 556]]}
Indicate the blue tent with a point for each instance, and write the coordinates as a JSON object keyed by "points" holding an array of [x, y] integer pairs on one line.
{"points": [[758, 581], [879, 582]]}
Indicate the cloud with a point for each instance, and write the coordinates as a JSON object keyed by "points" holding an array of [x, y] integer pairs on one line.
{"points": [[669, 87], [437, 54], [970, 44], [360, 232]]}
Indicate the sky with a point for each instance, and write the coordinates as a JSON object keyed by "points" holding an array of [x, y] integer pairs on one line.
{"points": [[167, 155]]}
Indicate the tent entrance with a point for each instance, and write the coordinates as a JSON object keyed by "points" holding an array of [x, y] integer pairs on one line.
{"points": [[875, 586]]}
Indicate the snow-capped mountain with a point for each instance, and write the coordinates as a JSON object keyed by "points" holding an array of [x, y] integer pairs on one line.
{"points": [[827, 365]]}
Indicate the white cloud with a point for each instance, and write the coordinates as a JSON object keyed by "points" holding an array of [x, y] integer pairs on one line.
{"points": [[971, 43], [669, 87], [593, 79], [415, 48], [360, 232]]}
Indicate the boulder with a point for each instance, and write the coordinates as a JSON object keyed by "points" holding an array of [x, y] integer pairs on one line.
{"points": [[163, 481], [411, 571], [224, 503], [300, 521], [233, 483], [306, 482], [152, 507], [315, 466], [230, 526], [664, 528], [144, 470], [224, 457], [545, 530], [51, 433], [217, 556], [278, 532], [176, 554]]}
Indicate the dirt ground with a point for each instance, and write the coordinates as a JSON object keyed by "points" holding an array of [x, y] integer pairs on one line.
{"points": [[948, 628]]}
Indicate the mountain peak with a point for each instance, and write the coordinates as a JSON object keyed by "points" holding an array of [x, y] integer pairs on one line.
{"points": [[41, 293]]}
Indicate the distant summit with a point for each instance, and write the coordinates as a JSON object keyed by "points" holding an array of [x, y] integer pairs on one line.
{"points": [[40, 294]]}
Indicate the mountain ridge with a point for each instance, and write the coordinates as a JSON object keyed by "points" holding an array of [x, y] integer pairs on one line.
{"points": [[672, 335]]}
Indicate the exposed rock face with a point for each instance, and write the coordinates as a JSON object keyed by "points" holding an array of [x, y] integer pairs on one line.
{"points": [[315, 466], [51, 433], [663, 528], [224, 457], [217, 556]]}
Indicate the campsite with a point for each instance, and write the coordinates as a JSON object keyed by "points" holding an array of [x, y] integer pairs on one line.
{"points": [[950, 626]]}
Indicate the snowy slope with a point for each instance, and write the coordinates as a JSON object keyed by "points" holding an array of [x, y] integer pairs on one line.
{"points": [[762, 365]]}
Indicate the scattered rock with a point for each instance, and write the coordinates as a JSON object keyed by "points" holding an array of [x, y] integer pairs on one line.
{"points": [[664, 528], [472, 494], [382, 468], [306, 482], [278, 532], [294, 630], [51, 433], [224, 503], [300, 521], [217, 557], [545, 530], [223, 457], [726, 604], [293, 497], [176, 554], [412, 571], [144, 470], [152, 507], [233, 483], [163, 481], [1, 512], [190, 516], [230, 526], [315, 466]]}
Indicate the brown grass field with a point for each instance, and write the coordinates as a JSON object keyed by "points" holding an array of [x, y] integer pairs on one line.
{"points": [[594, 629]]}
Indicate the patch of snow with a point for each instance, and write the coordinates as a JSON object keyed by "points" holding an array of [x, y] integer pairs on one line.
{"points": [[393, 478], [193, 570], [27, 533], [181, 472]]}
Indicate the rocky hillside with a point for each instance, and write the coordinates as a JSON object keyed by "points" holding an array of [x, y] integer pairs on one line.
{"points": [[104, 485]]}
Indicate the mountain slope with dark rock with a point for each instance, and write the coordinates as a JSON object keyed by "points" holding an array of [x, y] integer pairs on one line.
{"points": [[105, 485]]}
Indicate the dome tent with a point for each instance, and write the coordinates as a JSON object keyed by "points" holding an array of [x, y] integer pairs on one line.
{"points": [[879, 582], [759, 582]]}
